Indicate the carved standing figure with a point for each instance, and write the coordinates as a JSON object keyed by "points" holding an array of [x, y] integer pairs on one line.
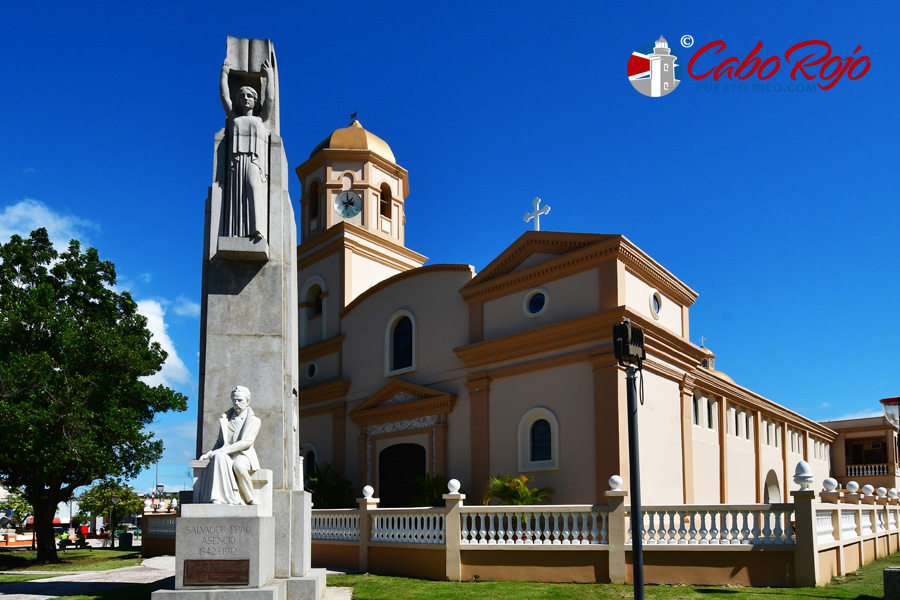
{"points": [[226, 479], [246, 200]]}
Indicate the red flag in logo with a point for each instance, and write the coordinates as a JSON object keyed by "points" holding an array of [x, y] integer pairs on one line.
{"points": [[638, 66]]}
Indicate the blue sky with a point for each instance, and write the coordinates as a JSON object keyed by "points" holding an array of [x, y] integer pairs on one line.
{"points": [[778, 208]]}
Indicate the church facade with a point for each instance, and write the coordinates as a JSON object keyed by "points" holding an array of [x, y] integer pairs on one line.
{"points": [[409, 369]]}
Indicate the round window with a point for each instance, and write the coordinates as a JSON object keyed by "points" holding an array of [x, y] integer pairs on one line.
{"points": [[311, 370], [655, 304], [536, 302]]}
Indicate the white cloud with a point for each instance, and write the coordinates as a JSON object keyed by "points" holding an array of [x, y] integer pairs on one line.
{"points": [[173, 370], [29, 171], [27, 215], [185, 307], [860, 414]]}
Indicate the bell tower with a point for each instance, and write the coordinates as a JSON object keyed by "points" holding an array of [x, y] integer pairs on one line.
{"points": [[352, 177], [352, 226]]}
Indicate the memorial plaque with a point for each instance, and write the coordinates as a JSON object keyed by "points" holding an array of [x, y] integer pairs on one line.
{"points": [[217, 572]]}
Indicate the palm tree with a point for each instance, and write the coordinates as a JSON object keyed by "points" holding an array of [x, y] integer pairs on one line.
{"points": [[514, 490]]}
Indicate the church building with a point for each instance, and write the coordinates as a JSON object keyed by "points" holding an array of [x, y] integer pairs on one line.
{"points": [[410, 369]]}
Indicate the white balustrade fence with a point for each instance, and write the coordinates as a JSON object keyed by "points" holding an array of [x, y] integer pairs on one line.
{"points": [[836, 521], [755, 524], [824, 526], [411, 526], [866, 470], [533, 525], [340, 525]]}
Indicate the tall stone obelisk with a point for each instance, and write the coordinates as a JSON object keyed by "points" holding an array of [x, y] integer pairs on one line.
{"points": [[248, 337]]}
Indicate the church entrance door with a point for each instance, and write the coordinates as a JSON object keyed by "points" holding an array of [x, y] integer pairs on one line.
{"points": [[398, 467]]}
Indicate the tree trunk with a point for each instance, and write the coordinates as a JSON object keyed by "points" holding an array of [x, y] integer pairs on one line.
{"points": [[44, 511]]}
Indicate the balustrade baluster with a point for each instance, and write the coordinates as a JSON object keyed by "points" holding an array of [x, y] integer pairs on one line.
{"points": [[714, 529], [585, 539], [603, 531], [682, 530], [671, 531], [692, 530], [745, 526], [554, 520], [780, 517], [788, 531], [508, 538], [650, 530], [734, 531], [756, 530], [566, 533]]}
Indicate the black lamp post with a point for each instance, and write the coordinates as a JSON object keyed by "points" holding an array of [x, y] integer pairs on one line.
{"points": [[628, 346], [112, 511]]}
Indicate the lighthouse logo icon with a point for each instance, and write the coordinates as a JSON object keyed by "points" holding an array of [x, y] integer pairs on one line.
{"points": [[654, 73]]}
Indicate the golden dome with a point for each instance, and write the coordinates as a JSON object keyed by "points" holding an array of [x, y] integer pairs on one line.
{"points": [[356, 138]]}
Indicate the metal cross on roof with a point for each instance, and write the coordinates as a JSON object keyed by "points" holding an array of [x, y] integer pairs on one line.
{"points": [[536, 215]]}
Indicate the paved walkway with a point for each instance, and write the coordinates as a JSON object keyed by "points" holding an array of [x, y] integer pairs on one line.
{"points": [[159, 571]]}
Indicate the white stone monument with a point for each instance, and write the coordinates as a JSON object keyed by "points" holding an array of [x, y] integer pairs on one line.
{"points": [[243, 543]]}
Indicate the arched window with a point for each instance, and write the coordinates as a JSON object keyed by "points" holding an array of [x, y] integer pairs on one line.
{"points": [[385, 201], [400, 343], [314, 302], [538, 441], [312, 200], [313, 307]]}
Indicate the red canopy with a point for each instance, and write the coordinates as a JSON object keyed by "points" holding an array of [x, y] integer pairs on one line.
{"points": [[56, 521]]}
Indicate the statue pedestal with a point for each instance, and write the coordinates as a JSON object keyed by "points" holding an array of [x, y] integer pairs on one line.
{"points": [[225, 551]]}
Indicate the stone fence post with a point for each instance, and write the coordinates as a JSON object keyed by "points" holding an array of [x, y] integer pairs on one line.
{"points": [[366, 504], [452, 531], [616, 533]]}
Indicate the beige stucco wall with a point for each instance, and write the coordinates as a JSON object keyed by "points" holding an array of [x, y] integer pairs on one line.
{"points": [[659, 424], [441, 324], [706, 477], [637, 298], [329, 270], [741, 481], [459, 445], [569, 297], [366, 273], [567, 391], [316, 430], [328, 368]]}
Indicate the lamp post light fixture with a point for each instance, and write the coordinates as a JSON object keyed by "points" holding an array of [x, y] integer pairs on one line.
{"points": [[891, 408], [628, 348], [112, 511]]}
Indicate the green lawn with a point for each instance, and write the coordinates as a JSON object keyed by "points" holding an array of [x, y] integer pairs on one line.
{"points": [[863, 585], [18, 578], [866, 584], [99, 559]]}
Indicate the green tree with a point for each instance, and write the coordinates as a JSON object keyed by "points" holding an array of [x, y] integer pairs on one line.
{"points": [[330, 489], [432, 492], [18, 505], [509, 489], [97, 499], [73, 351]]}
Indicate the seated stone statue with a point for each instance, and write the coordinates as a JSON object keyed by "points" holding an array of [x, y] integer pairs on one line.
{"points": [[226, 480]]}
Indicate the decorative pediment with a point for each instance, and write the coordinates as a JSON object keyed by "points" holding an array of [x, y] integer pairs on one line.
{"points": [[400, 400], [535, 247]]}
